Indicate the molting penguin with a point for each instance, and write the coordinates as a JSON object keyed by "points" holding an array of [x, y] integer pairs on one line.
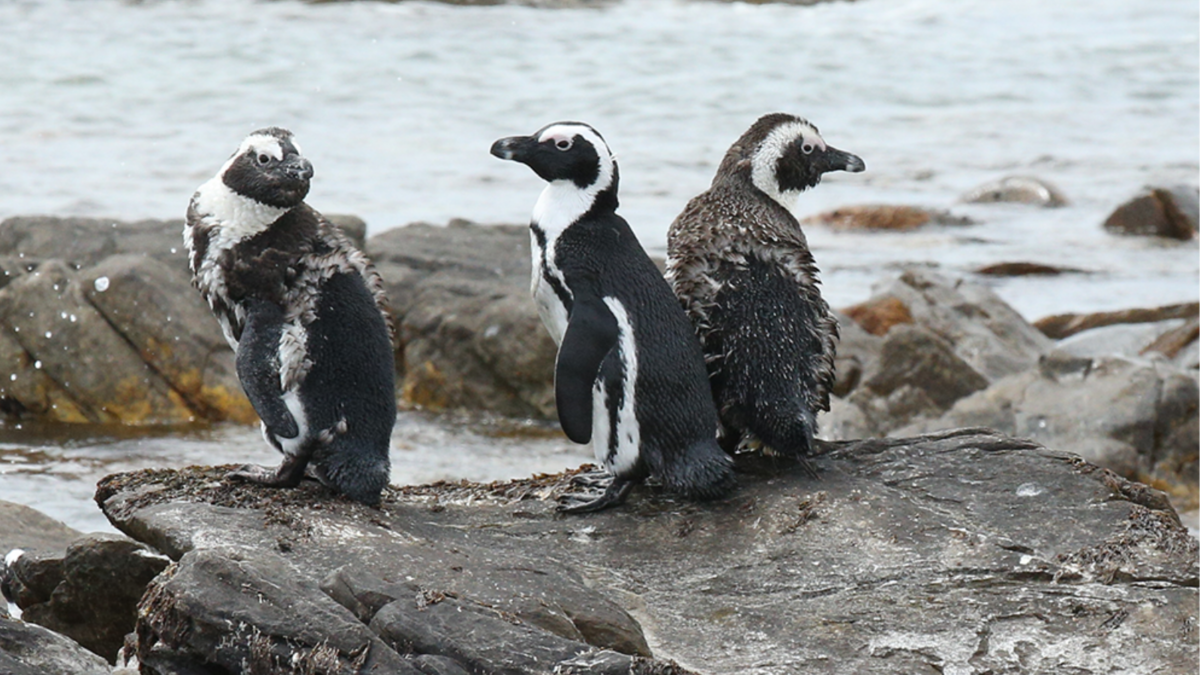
{"points": [[740, 265], [629, 374], [304, 312]]}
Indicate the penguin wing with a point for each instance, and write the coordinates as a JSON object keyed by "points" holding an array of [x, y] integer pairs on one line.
{"points": [[258, 366], [591, 334]]}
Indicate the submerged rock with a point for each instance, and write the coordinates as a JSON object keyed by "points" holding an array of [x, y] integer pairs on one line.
{"points": [[895, 218], [1017, 189], [1159, 212], [907, 555]]}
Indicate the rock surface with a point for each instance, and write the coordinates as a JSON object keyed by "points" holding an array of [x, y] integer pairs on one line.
{"points": [[99, 323], [1017, 189], [470, 336], [929, 554], [33, 531], [1158, 212], [90, 594], [29, 649]]}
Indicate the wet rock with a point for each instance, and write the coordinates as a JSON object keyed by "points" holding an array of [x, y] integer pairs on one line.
{"points": [[244, 610], [1024, 269], [982, 329], [1137, 418], [908, 555], [83, 242], [29, 649], [1059, 326], [1017, 189], [895, 218], [160, 315], [1164, 338], [917, 373], [91, 365], [91, 593], [470, 336], [1158, 212]]}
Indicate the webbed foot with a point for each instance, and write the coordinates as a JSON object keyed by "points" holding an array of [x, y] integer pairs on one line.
{"points": [[614, 495], [286, 475]]}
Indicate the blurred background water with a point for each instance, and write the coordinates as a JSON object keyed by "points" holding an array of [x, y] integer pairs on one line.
{"points": [[120, 109]]}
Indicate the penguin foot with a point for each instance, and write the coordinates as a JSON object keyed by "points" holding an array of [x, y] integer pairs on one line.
{"points": [[614, 495], [286, 475], [595, 479]]}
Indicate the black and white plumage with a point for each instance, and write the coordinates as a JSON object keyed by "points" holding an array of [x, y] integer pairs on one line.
{"points": [[741, 267], [629, 375], [304, 312]]}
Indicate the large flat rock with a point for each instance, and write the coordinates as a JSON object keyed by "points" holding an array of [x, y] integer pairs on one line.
{"points": [[958, 552]]}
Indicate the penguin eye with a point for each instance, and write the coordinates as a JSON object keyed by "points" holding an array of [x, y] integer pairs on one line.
{"points": [[563, 144], [264, 159], [807, 148]]}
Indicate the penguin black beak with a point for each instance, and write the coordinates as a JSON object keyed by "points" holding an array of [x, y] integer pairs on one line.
{"points": [[839, 160], [514, 148], [298, 168]]}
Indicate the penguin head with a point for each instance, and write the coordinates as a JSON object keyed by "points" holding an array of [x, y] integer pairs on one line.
{"points": [[269, 169], [571, 152], [785, 155]]}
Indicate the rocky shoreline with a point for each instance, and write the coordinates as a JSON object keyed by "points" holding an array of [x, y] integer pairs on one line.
{"points": [[923, 545]]}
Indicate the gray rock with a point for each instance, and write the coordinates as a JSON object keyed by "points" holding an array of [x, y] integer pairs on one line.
{"points": [[1159, 212], [1127, 340], [91, 594], [155, 309], [97, 375], [83, 242], [29, 649], [915, 356], [908, 555], [251, 611], [470, 336], [1135, 417], [1017, 189]]}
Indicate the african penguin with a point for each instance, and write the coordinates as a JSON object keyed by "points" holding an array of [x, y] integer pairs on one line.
{"points": [[629, 375], [304, 312], [741, 267]]}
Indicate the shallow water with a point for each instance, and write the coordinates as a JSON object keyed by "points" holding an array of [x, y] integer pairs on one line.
{"points": [[56, 470], [120, 110]]}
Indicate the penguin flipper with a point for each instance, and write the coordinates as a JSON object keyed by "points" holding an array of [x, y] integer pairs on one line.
{"points": [[258, 366], [591, 334]]}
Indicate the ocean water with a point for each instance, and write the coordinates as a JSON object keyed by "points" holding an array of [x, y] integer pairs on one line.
{"points": [[120, 109]]}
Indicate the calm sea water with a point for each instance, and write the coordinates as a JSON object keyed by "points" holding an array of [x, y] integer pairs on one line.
{"points": [[121, 109]]}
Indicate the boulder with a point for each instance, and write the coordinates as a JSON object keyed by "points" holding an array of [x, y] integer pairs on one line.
{"points": [[895, 218], [29, 649], [1157, 212], [926, 554], [1059, 326], [1161, 339], [981, 328], [90, 593], [1135, 417], [1016, 189], [469, 335]]}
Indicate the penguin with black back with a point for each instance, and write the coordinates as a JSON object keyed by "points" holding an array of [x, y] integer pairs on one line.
{"points": [[740, 265], [304, 312], [629, 375]]}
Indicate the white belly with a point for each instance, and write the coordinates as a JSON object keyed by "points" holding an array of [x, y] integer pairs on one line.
{"points": [[618, 447], [551, 310]]}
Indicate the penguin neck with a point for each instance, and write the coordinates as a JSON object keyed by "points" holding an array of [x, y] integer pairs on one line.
{"points": [[236, 216], [563, 203]]}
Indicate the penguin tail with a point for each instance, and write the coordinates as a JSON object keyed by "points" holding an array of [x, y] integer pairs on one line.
{"points": [[355, 470], [703, 472], [789, 433]]}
